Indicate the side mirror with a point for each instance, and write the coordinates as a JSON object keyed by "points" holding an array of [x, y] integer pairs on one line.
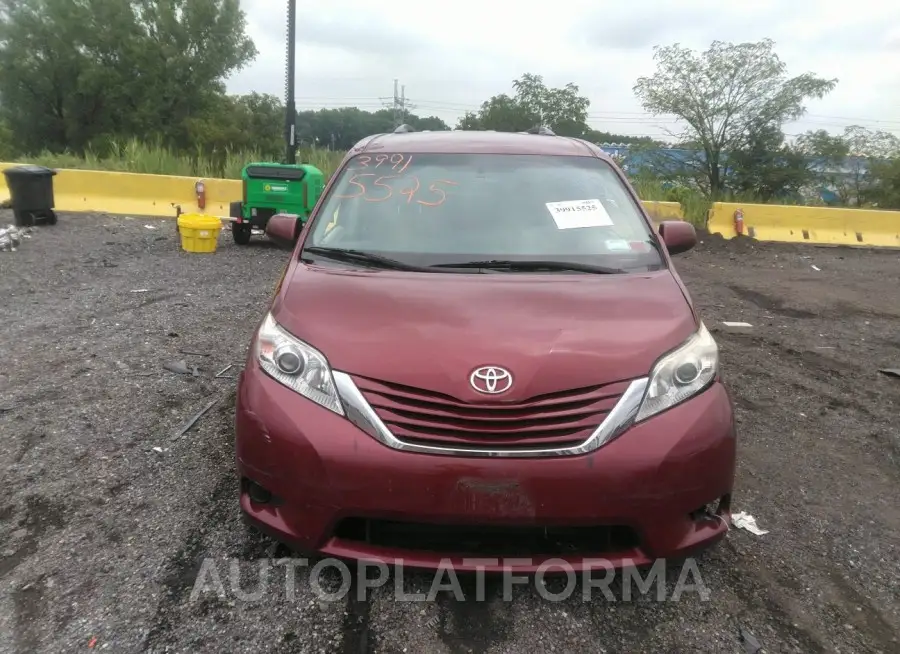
{"points": [[678, 235], [283, 228]]}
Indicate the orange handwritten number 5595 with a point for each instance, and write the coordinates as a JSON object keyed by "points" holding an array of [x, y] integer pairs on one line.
{"points": [[378, 182], [434, 189], [354, 182]]}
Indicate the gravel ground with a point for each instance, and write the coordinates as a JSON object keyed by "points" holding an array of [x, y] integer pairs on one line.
{"points": [[102, 537]]}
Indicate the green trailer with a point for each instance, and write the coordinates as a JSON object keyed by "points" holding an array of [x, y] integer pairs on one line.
{"points": [[272, 188]]}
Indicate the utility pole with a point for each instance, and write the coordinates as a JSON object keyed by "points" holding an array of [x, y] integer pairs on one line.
{"points": [[397, 117], [290, 109], [403, 104], [397, 104]]}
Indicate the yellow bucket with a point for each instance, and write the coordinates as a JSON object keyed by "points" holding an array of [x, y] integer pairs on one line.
{"points": [[199, 233]]}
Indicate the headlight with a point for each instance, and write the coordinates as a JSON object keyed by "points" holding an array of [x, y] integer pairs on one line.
{"points": [[681, 374], [297, 365]]}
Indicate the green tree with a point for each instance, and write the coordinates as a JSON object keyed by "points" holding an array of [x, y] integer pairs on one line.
{"points": [[867, 150], [727, 96], [6, 142], [564, 110], [241, 122], [502, 113], [886, 191], [768, 168], [340, 129], [73, 71], [851, 164], [827, 156], [429, 123]]}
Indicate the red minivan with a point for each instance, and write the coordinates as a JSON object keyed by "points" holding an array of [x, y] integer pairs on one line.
{"points": [[480, 351]]}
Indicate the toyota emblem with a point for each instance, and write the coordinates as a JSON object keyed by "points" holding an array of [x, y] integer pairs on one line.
{"points": [[491, 380]]}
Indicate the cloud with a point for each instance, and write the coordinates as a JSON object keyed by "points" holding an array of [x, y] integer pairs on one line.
{"points": [[453, 56]]}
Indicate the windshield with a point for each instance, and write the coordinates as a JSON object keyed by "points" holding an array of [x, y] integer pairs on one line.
{"points": [[440, 209]]}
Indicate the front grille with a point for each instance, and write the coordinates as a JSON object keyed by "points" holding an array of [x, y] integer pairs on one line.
{"points": [[560, 419], [490, 540]]}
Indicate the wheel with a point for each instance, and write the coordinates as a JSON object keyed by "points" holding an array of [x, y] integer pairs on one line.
{"points": [[51, 218], [241, 233]]}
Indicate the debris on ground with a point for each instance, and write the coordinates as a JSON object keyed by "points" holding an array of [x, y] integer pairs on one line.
{"points": [[816, 268], [890, 372], [751, 645], [222, 372], [190, 423], [11, 237], [747, 522], [194, 353], [181, 368], [735, 327], [120, 530]]}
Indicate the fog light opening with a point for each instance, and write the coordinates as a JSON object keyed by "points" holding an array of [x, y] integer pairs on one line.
{"points": [[257, 493], [719, 509]]}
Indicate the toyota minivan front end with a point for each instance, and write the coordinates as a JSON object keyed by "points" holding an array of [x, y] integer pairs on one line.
{"points": [[480, 352]]}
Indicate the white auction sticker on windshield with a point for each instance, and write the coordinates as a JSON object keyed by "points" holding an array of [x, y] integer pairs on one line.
{"points": [[579, 213], [618, 245]]}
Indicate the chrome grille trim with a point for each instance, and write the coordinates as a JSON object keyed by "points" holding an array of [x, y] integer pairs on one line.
{"points": [[361, 414]]}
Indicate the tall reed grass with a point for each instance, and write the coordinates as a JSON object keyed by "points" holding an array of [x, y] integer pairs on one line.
{"points": [[152, 159], [694, 205]]}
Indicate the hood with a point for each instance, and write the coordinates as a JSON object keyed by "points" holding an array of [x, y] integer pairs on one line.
{"points": [[430, 331]]}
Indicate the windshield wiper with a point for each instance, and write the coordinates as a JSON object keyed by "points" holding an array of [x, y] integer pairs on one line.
{"points": [[525, 266], [360, 256]]}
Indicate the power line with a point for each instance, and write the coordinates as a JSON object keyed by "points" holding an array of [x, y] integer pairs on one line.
{"points": [[601, 120]]}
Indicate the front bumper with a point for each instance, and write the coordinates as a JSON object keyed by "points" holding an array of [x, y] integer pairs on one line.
{"points": [[323, 471]]}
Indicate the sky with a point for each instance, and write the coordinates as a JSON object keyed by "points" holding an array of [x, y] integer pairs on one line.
{"points": [[452, 56]]}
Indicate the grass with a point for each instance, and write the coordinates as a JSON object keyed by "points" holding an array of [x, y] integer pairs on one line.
{"points": [[694, 205], [136, 157]]}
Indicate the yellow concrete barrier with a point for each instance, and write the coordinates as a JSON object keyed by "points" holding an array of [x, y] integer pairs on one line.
{"points": [[157, 195], [4, 191], [135, 194], [660, 211], [821, 225]]}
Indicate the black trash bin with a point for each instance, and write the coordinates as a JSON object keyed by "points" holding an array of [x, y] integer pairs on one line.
{"points": [[31, 194]]}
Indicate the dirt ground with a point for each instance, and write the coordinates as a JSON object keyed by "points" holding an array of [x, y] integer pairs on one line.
{"points": [[102, 537]]}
